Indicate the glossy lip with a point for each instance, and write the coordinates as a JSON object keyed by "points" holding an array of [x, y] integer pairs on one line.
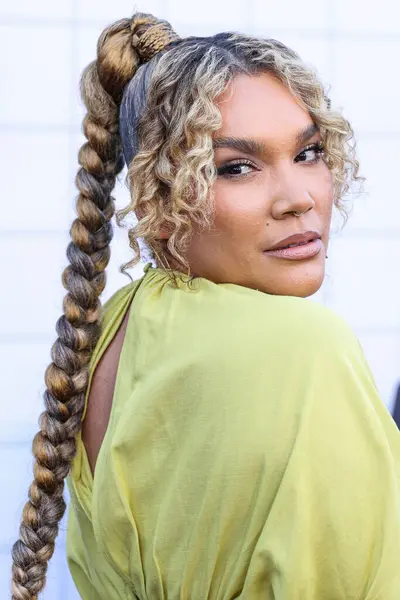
{"points": [[303, 252], [298, 238]]}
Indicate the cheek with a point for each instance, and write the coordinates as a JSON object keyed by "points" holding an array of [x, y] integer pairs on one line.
{"points": [[238, 206], [321, 189]]}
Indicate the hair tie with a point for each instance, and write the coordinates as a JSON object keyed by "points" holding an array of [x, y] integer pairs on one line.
{"points": [[150, 38]]}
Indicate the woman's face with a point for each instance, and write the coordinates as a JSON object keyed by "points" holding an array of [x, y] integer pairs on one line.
{"points": [[270, 170]]}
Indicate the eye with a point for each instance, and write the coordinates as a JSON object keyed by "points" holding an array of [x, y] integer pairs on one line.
{"points": [[236, 169], [311, 154]]}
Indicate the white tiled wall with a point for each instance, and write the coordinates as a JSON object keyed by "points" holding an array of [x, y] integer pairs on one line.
{"points": [[44, 45]]}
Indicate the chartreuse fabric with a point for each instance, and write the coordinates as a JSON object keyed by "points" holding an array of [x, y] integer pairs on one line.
{"points": [[248, 455]]}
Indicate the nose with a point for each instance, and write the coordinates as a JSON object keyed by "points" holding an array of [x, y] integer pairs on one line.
{"points": [[291, 198]]}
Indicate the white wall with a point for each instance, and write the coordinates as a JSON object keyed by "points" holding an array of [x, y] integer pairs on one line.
{"points": [[43, 47]]}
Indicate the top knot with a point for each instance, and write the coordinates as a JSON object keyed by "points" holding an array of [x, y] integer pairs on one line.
{"points": [[151, 35]]}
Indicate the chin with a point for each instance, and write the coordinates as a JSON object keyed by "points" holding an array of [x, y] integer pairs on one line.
{"points": [[305, 290], [300, 281]]}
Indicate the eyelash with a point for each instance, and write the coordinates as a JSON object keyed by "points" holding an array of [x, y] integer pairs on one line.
{"points": [[223, 171], [319, 150]]}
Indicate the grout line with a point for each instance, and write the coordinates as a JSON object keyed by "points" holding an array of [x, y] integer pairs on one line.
{"points": [[365, 233], [48, 233], [41, 128], [28, 338], [5, 548], [74, 23], [331, 36], [18, 443], [70, 211], [49, 23]]}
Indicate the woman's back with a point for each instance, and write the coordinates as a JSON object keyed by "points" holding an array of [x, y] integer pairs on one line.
{"points": [[246, 454]]}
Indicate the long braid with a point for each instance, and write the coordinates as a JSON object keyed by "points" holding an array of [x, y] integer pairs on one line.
{"points": [[78, 329]]}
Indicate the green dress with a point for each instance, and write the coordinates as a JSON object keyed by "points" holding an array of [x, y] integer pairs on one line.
{"points": [[248, 455]]}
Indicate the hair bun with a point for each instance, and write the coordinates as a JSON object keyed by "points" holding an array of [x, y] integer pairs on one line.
{"points": [[151, 35]]}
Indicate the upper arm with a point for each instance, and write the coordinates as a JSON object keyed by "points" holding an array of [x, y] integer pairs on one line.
{"points": [[101, 395]]}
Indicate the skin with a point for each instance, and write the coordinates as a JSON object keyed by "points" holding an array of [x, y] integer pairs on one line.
{"points": [[254, 206]]}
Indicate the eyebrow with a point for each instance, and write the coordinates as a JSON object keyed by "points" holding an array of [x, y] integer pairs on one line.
{"points": [[307, 133], [251, 146]]}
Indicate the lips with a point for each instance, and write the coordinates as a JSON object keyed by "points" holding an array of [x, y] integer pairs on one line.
{"points": [[299, 239]]}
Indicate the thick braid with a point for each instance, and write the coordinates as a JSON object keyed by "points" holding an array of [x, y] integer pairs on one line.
{"points": [[66, 377], [78, 328]]}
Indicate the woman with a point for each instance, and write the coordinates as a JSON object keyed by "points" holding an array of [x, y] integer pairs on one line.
{"points": [[233, 442]]}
